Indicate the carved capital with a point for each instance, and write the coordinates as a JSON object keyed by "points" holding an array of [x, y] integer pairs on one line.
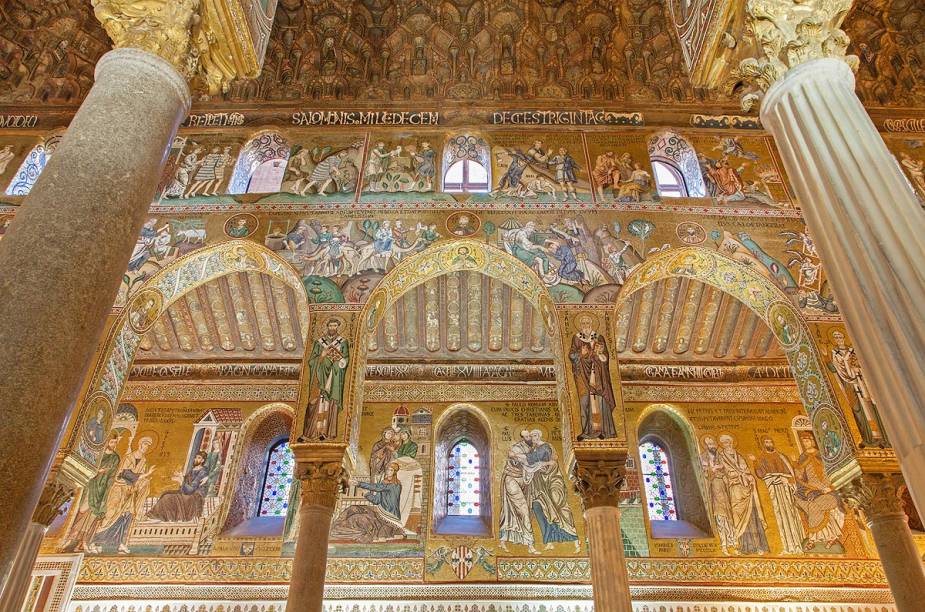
{"points": [[198, 39], [599, 478], [788, 33], [161, 27], [876, 495], [51, 502], [322, 481]]}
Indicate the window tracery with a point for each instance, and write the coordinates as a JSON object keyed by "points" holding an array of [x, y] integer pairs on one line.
{"points": [[466, 165], [31, 167], [462, 478], [656, 479], [277, 481]]}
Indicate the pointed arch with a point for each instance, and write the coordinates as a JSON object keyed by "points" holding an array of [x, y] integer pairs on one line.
{"points": [[772, 306], [151, 300], [461, 255], [261, 164], [676, 166]]}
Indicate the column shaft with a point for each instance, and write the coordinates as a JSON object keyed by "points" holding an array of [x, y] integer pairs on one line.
{"points": [[20, 576], [321, 483], [868, 229], [608, 565], [598, 476], [63, 258], [900, 558]]}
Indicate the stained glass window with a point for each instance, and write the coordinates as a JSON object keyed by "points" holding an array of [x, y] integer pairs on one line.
{"points": [[462, 481], [274, 501], [656, 480], [29, 171]]}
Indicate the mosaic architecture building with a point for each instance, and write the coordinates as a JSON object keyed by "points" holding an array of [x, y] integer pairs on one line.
{"points": [[462, 305]]}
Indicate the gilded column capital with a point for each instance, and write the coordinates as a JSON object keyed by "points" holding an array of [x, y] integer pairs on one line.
{"points": [[322, 481], [192, 36], [161, 27], [599, 478], [51, 502], [876, 495], [789, 33]]}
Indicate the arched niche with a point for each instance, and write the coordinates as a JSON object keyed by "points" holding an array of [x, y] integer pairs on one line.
{"points": [[771, 305], [663, 425], [144, 308], [461, 423], [261, 432], [466, 165]]}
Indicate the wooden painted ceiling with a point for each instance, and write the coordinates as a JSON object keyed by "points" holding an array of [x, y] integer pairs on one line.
{"points": [[489, 51], [464, 317]]}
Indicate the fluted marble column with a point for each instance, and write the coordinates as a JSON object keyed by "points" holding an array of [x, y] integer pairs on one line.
{"points": [[53, 497], [877, 496], [62, 260], [322, 480], [870, 233], [598, 481]]}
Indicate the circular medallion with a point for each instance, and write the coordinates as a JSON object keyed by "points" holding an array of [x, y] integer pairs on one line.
{"points": [[98, 421], [241, 226], [144, 309], [467, 256], [693, 263], [785, 323], [243, 255], [463, 224], [830, 434], [691, 233]]}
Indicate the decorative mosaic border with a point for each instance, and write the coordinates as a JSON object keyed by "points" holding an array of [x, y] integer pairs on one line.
{"points": [[153, 392], [63, 569], [803, 573], [783, 394]]}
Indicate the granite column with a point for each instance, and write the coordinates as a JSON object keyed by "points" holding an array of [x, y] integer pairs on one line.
{"points": [[877, 497], [598, 480], [63, 258], [53, 498], [321, 481]]}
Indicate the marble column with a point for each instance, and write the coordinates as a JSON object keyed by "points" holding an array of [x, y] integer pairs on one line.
{"points": [[877, 497], [53, 497], [860, 209], [321, 482], [598, 480], [63, 257]]}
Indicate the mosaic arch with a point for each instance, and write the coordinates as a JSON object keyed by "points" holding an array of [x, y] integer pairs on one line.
{"points": [[773, 306], [151, 300], [462, 255]]}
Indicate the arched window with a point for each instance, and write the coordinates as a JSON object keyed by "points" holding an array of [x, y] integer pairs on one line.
{"points": [[466, 176], [466, 165], [32, 167], [676, 166], [463, 496], [669, 480], [261, 165], [277, 480], [462, 458], [656, 479], [668, 180]]}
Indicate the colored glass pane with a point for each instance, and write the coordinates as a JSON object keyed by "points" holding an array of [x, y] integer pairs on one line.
{"points": [[462, 481], [278, 481], [656, 481], [29, 171]]}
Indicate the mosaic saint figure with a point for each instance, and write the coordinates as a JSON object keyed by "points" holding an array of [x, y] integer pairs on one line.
{"points": [[125, 500], [425, 166], [549, 495], [380, 521], [714, 471], [327, 372], [590, 368], [775, 470], [820, 506], [95, 427], [383, 453], [565, 167], [847, 369], [186, 503], [184, 174], [515, 526], [745, 507], [208, 170], [92, 506]]}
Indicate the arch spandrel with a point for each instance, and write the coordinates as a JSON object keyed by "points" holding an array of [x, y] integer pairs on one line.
{"points": [[772, 306], [150, 301]]}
